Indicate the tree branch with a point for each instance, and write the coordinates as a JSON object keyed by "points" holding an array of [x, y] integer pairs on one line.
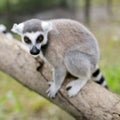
{"points": [[92, 103]]}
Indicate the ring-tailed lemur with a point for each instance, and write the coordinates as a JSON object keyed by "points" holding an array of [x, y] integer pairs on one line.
{"points": [[68, 46]]}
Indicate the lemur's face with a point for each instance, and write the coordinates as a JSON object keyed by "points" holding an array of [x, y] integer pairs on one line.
{"points": [[33, 34], [34, 41]]}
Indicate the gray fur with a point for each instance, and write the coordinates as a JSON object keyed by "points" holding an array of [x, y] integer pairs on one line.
{"points": [[79, 64], [69, 35], [32, 25]]}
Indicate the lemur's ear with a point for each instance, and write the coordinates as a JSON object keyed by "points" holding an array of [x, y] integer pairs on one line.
{"points": [[47, 26], [18, 28]]}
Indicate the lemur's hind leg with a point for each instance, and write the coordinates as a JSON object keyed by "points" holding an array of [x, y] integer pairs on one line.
{"points": [[79, 65]]}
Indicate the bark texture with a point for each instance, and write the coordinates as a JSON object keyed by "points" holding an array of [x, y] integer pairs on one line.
{"points": [[92, 103]]}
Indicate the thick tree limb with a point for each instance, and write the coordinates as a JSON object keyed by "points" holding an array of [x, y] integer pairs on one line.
{"points": [[92, 103]]}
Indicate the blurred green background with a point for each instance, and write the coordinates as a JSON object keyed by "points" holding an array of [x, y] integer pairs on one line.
{"points": [[102, 17]]}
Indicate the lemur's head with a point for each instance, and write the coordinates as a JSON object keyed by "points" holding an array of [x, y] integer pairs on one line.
{"points": [[33, 34]]}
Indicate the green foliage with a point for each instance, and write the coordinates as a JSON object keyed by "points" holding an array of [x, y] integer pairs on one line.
{"points": [[112, 75], [26, 6], [109, 42], [9, 103], [2, 4], [32, 6], [11, 96]]}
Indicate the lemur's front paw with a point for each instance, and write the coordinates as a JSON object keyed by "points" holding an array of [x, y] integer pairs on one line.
{"points": [[73, 88], [53, 89]]}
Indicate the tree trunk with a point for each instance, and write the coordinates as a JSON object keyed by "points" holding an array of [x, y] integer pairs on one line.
{"points": [[109, 7], [87, 9], [8, 11], [92, 103], [63, 3]]}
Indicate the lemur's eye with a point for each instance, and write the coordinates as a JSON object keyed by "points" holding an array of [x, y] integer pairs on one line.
{"points": [[27, 40], [39, 39]]}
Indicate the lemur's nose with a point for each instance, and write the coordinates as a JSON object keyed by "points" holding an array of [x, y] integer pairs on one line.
{"points": [[34, 51]]}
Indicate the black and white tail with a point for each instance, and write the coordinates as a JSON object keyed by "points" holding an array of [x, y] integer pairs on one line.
{"points": [[99, 78]]}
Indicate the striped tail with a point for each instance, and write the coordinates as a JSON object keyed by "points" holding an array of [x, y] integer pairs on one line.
{"points": [[99, 78]]}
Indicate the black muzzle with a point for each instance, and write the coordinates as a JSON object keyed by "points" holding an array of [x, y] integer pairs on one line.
{"points": [[34, 51]]}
